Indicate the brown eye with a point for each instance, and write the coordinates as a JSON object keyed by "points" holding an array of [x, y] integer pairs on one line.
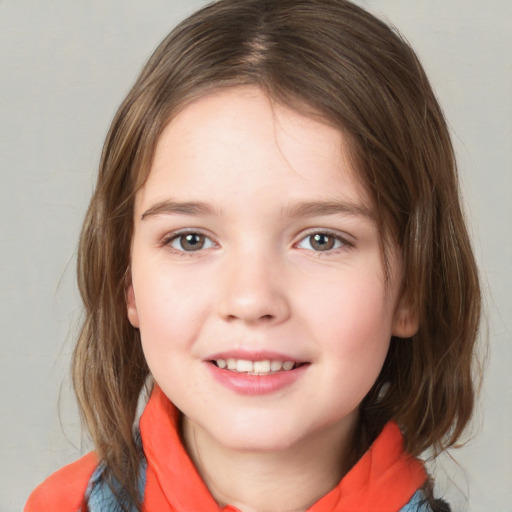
{"points": [[189, 242], [321, 242]]}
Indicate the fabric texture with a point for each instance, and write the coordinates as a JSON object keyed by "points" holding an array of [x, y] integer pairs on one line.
{"points": [[101, 498], [64, 490], [385, 479], [418, 503]]}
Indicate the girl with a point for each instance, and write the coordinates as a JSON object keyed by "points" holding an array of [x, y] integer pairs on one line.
{"points": [[275, 252]]}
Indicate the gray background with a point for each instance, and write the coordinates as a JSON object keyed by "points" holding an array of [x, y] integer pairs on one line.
{"points": [[64, 68]]}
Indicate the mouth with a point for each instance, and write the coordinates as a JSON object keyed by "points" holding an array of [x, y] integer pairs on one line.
{"points": [[261, 367], [258, 373]]}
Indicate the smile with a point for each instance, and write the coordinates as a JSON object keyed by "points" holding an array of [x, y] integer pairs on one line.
{"points": [[247, 378], [262, 367]]}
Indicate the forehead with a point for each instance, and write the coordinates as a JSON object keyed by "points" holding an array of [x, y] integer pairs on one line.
{"points": [[238, 141]]}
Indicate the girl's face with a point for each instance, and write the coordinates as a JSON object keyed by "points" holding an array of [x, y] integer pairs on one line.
{"points": [[255, 248]]}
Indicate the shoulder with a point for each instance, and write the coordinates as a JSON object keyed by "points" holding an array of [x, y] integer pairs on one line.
{"points": [[64, 490]]}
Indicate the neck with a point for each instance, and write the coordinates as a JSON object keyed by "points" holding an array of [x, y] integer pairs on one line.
{"points": [[288, 480]]}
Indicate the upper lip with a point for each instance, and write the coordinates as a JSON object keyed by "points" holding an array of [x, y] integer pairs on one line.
{"points": [[253, 355]]}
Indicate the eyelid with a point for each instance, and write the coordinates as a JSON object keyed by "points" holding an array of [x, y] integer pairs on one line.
{"points": [[347, 241], [172, 235]]}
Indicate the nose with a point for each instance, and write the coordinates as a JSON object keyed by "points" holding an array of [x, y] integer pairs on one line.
{"points": [[253, 290]]}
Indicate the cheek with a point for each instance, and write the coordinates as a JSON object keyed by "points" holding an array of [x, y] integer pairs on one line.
{"points": [[170, 309], [353, 318], [354, 334]]}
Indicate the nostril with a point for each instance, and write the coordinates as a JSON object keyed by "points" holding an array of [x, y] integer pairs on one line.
{"points": [[265, 318]]}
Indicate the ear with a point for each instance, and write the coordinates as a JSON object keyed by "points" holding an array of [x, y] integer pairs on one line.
{"points": [[406, 319], [131, 307]]}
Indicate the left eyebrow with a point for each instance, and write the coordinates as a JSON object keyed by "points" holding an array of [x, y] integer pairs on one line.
{"points": [[179, 208], [321, 208]]}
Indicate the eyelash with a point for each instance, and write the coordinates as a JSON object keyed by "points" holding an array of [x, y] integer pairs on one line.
{"points": [[171, 237], [344, 244]]}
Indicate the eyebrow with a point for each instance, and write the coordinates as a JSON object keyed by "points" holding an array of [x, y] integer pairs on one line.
{"points": [[292, 210], [170, 207], [321, 208]]}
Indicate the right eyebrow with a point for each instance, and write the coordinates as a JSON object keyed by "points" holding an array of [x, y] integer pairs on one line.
{"points": [[170, 207], [322, 208]]}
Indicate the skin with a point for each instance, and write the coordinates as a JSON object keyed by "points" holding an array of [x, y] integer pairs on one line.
{"points": [[259, 282]]}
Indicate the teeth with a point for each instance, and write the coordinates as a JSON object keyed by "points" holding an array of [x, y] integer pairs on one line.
{"points": [[263, 367], [275, 366], [242, 365]]}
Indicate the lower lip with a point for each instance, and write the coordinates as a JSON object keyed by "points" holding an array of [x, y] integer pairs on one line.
{"points": [[256, 385]]}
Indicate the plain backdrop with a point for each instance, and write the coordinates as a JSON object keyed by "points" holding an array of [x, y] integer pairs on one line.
{"points": [[64, 68]]}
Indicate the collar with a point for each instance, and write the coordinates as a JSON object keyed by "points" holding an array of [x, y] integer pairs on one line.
{"points": [[383, 480]]}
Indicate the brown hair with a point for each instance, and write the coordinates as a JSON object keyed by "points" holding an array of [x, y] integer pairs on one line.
{"points": [[359, 75]]}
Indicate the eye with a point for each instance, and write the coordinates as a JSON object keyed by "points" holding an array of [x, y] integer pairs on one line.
{"points": [[322, 242], [189, 242]]}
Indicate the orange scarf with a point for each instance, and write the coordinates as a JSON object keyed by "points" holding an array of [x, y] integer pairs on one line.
{"points": [[383, 480]]}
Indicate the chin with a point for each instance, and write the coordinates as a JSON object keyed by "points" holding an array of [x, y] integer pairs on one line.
{"points": [[259, 443], [260, 436]]}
